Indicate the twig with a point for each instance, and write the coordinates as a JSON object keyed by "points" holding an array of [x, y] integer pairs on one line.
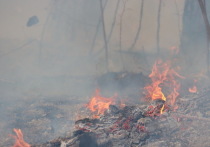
{"points": [[19, 48]]}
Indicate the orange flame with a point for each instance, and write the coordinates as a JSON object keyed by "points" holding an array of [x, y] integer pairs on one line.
{"points": [[19, 141], [99, 104], [163, 75], [194, 88]]}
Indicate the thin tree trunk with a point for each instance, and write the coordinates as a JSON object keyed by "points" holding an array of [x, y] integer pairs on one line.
{"points": [[158, 28], [104, 35], [114, 21], [178, 17], [140, 24], [120, 43], [207, 25], [42, 35], [97, 29], [95, 36]]}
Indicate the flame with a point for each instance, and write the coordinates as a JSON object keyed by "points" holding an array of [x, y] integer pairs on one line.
{"points": [[19, 141], [99, 104], [194, 88], [163, 75], [122, 104]]}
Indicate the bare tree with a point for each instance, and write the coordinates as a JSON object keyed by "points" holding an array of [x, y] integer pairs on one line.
{"points": [[111, 30]]}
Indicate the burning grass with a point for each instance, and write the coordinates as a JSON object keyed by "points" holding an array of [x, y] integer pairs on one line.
{"points": [[112, 123]]}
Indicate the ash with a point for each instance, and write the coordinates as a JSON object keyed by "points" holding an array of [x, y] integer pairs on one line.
{"points": [[134, 125], [130, 126]]}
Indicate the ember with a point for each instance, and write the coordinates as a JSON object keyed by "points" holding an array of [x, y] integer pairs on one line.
{"points": [[140, 125], [19, 141]]}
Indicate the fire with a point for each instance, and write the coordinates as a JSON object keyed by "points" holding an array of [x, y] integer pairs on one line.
{"points": [[194, 88], [19, 141], [163, 75], [99, 104]]}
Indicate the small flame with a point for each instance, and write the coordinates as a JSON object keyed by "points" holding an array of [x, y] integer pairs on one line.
{"points": [[161, 110], [99, 104], [19, 141], [163, 75], [194, 88], [122, 104]]}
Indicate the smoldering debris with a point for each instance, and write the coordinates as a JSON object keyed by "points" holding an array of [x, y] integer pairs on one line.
{"points": [[138, 125]]}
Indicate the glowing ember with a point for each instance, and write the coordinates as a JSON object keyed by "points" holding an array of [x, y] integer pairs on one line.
{"points": [[19, 141], [194, 88], [163, 76], [99, 104]]}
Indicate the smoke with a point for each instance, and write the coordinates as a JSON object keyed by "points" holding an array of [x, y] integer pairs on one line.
{"points": [[62, 57]]}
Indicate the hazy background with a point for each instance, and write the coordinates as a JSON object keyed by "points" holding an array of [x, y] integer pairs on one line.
{"points": [[44, 59]]}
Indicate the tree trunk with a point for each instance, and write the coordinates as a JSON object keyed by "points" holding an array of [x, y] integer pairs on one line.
{"points": [[194, 36]]}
